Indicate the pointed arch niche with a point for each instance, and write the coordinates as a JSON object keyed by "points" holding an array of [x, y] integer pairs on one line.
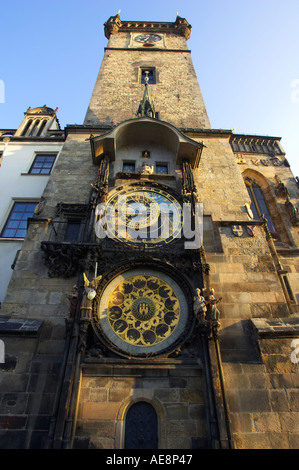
{"points": [[263, 201]]}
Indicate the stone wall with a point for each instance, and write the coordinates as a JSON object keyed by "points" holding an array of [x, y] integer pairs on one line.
{"points": [[263, 395], [28, 381], [176, 95], [176, 391]]}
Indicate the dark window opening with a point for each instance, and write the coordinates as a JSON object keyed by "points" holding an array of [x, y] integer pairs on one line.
{"points": [[129, 167], [259, 207], [161, 169], [149, 73], [72, 232]]}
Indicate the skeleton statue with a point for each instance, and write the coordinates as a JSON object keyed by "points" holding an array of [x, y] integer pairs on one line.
{"points": [[100, 187]]}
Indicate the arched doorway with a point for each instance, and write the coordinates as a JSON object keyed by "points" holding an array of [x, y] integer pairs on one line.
{"points": [[141, 429]]}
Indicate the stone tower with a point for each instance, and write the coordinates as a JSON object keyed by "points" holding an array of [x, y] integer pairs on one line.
{"points": [[161, 48], [122, 330]]}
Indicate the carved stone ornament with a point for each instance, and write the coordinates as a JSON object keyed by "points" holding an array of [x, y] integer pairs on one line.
{"points": [[112, 25], [251, 230], [281, 188], [71, 209], [241, 160], [64, 259], [276, 162], [73, 299], [237, 230], [293, 212]]}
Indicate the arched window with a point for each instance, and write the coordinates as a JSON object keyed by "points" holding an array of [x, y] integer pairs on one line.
{"points": [[26, 128], [41, 128], [259, 206], [141, 430], [33, 130]]}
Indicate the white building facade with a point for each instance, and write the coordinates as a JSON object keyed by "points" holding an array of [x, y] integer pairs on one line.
{"points": [[27, 157]]}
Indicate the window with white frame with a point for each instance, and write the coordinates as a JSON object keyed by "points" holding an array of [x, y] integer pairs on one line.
{"points": [[42, 164], [16, 224]]}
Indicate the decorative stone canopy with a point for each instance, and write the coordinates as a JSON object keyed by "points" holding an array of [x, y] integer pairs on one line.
{"points": [[45, 110], [146, 129]]}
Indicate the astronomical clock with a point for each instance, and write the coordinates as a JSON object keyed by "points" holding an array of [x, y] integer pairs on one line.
{"points": [[144, 215], [144, 311]]}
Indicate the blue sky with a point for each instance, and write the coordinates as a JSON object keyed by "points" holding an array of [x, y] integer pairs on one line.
{"points": [[246, 56]]}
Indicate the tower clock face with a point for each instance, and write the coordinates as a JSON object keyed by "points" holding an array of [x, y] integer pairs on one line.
{"points": [[142, 312], [148, 38], [143, 215]]}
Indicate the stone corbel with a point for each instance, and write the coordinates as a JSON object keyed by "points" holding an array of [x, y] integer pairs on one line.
{"points": [[293, 212]]}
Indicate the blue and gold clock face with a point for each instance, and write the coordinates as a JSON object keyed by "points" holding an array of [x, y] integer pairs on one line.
{"points": [[142, 312], [143, 215]]}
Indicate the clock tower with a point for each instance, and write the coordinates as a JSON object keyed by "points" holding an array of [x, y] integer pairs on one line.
{"points": [[155, 298], [161, 49], [138, 277]]}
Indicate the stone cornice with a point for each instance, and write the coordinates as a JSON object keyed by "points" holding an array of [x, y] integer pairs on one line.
{"points": [[115, 25]]}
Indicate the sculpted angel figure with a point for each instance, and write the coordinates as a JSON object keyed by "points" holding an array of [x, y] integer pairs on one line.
{"points": [[199, 306], [90, 291], [146, 169]]}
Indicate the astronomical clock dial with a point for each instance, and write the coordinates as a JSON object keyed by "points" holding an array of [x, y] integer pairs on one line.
{"points": [[142, 313], [148, 38], [143, 215]]}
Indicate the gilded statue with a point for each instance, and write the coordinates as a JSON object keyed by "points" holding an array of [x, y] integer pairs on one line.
{"points": [[90, 291]]}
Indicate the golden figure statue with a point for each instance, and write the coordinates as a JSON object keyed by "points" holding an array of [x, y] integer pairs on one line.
{"points": [[90, 291]]}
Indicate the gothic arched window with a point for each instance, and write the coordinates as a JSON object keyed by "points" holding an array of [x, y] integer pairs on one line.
{"points": [[259, 206]]}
